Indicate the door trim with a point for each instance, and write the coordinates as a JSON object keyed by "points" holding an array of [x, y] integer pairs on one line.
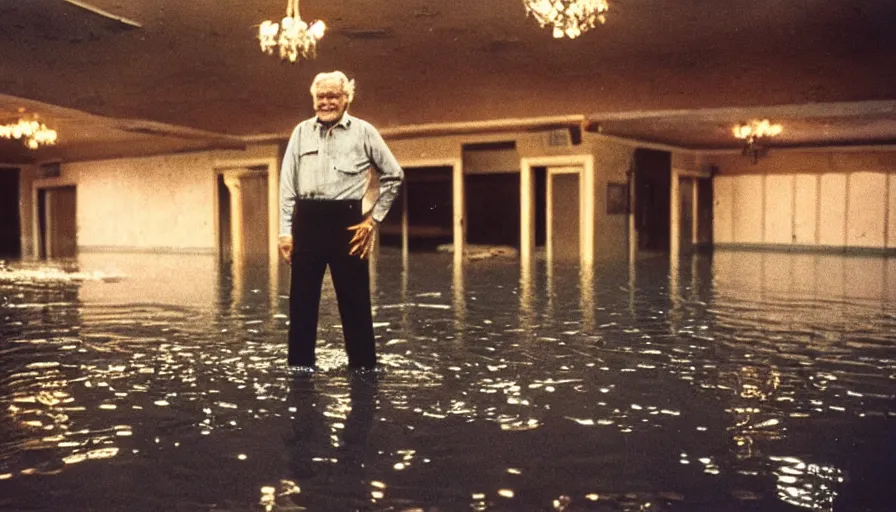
{"points": [[586, 202], [549, 210]]}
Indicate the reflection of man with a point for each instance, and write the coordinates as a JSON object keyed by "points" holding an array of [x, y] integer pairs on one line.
{"points": [[310, 440], [324, 176]]}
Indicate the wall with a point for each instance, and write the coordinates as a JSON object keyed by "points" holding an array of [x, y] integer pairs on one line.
{"points": [[612, 163], [807, 199], [162, 203], [27, 175]]}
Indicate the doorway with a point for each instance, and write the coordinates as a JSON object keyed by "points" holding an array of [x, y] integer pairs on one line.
{"points": [[421, 218], [580, 184], [10, 218], [243, 215], [57, 209], [704, 213], [563, 240], [687, 206], [653, 181]]}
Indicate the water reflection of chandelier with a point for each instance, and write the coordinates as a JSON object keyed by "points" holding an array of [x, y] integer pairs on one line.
{"points": [[32, 132], [293, 37], [570, 18]]}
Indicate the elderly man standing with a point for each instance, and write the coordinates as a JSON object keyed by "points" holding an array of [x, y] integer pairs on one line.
{"points": [[325, 173]]}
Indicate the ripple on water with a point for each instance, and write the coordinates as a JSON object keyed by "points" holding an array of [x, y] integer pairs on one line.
{"points": [[555, 390]]}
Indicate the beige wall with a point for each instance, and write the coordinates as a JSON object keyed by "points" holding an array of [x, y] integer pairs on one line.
{"points": [[612, 161], [805, 209], [806, 198], [168, 203], [891, 212], [152, 204], [27, 175]]}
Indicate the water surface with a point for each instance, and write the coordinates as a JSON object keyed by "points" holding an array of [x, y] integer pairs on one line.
{"points": [[733, 381]]}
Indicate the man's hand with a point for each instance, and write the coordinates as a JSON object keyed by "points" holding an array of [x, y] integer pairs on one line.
{"points": [[285, 246], [362, 241]]}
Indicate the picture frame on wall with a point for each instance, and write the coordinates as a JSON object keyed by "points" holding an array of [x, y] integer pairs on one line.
{"points": [[617, 198]]}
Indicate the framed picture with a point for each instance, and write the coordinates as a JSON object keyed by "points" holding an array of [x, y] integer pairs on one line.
{"points": [[617, 198]]}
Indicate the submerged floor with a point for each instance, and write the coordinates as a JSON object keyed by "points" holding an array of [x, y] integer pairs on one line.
{"points": [[737, 381]]}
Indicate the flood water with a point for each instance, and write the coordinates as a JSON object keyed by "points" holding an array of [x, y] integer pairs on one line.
{"points": [[729, 381]]}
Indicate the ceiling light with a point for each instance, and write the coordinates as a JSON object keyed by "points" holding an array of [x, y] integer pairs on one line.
{"points": [[754, 134], [292, 37], [570, 18], [32, 133]]}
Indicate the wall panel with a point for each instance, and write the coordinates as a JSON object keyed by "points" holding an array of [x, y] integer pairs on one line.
{"points": [[832, 209], [805, 201], [723, 209], [866, 209], [779, 209], [891, 212], [748, 209]]}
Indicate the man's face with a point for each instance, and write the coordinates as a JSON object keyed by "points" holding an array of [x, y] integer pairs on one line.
{"points": [[330, 101]]}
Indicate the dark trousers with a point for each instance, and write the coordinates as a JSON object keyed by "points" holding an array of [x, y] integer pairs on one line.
{"points": [[321, 238]]}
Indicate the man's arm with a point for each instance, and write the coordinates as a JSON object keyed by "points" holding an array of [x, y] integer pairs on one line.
{"points": [[288, 194], [391, 174]]}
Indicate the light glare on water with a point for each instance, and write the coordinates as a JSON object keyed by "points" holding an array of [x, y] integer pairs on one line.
{"points": [[743, 380]]}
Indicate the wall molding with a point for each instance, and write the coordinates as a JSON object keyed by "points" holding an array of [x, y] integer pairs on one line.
{"points": [[204, 251], [814, 249]]}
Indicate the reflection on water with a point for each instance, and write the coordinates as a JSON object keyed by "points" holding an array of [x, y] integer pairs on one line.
{"points": [[742, 381]]}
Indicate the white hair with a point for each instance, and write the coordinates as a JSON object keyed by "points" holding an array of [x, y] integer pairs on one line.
{"points": [[348, 86]]}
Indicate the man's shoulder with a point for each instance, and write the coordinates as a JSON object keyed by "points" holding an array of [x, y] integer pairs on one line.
{"points": [[305, 122], [362, 125]]}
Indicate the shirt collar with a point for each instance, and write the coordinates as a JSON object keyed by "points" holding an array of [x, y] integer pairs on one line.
{"points": [[345, 121]]}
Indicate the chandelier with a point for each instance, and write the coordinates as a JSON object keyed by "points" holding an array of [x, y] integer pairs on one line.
{"points": [[754, 134], [570, 18], [292, 37], [32, 133]]}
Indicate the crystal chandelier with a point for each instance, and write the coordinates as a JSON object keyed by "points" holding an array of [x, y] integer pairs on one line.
{"points": [[753, 134], [32, 133], [293, 37], [570, 18]]}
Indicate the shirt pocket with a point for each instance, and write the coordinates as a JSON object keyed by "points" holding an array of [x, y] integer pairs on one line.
{"points": [[351, 163], [309, 156]]}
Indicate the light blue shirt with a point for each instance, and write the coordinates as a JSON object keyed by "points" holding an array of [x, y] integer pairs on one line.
{"points": [[335, 163]]}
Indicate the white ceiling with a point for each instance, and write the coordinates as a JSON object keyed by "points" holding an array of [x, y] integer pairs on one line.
{"points": [[677, 72]]}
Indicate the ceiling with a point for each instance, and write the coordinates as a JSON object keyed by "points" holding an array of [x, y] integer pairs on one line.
{"points": [[676, 72]]}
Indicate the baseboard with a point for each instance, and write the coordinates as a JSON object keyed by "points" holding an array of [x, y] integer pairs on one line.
{"points": [[92, 249], [813, 249]]}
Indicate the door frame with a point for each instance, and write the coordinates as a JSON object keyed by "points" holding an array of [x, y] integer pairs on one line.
{"points": [[458, 206], [221, 167], [675, 207], [44, 185], [549, 209], [586, 203]]}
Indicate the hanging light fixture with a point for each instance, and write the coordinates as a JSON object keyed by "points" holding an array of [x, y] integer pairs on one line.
{"points": [[570, 18], [292, 37], [32, 132], [754, 135]]}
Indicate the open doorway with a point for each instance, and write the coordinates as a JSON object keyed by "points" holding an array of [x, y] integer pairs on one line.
{"points": [[225, 244], [653, 181], [563, 240], [243, 214], [423, 210], [493, 208], [10, 219], [57, 209], [704, 213], [687, 207]]}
